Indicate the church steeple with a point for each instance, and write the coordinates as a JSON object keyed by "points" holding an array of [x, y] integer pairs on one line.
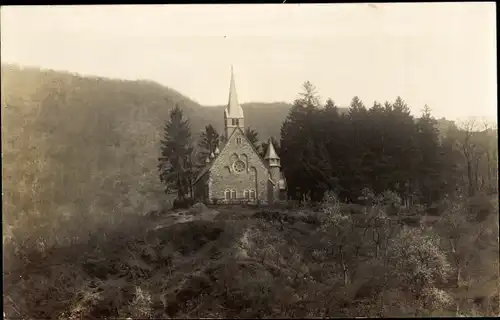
{"points": [[233, 114]]}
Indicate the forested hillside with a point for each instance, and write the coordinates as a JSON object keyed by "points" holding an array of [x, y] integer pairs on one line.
{"points": [[80, 144]]}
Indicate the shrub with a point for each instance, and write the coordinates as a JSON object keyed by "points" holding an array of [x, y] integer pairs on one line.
{"points": [[411, 221], [183, 203], [480, 207], [353, 208], [140, 306], [367, 197], [198, 208], [389, 198], [330, 198]]}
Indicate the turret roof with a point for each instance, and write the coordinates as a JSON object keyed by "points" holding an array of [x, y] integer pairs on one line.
{"points": [[271, 153]]}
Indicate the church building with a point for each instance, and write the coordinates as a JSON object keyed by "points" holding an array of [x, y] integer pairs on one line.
{"points": [[236, 172]]}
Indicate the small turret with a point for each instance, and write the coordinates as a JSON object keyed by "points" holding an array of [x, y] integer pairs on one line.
{"points": [[212, 155], [274, 162], [217, 151]]}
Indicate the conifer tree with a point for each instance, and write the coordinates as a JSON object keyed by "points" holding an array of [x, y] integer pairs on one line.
{"points": [[209, 141], [175, 163]]}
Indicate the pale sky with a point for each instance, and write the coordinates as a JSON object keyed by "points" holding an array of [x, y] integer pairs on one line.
{"points": [[443, 55]]}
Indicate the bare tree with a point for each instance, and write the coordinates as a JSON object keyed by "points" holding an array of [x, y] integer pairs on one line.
{"points": [[490, 149], [468, 145]]}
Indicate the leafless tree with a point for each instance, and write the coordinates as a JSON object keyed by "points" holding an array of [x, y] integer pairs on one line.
{"points": [[468, 145]]}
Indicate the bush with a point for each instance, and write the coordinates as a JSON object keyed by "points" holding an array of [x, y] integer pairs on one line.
{"points": [[183, 203], [198, 208], [313, 218], [330, 198], [367, 197], [389, 198], [353, 208], [480, 207], [437, 208], [411, 221]]}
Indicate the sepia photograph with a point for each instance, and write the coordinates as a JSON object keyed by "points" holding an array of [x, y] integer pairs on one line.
{"points": [[309, 160]]}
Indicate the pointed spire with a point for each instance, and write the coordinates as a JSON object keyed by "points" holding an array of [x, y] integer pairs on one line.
{"points": [[271, 153], [207, 160], [233, 109], [217, 151], [212, 155]]}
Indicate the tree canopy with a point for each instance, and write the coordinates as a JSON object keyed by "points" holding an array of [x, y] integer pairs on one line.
{"points": [[380, 148]]}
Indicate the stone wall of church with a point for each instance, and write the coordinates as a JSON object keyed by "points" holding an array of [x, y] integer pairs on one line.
{"points": [[228, 173]]}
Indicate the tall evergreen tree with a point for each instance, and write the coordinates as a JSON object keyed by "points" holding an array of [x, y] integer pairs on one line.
{"points": [[175, 163], [330, 104], [297, 133], [309, 97], [428, 173], [208, 143]]}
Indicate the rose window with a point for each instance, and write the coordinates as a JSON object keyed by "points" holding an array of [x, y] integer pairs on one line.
{"points": [[239, 166]]}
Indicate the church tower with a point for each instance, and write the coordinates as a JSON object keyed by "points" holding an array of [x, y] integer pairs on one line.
{"points": [[273, 161], [233, 114]]}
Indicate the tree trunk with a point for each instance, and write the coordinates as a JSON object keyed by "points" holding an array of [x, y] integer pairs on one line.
{"points": [[179, 188], [344, 268], [476, 175], [470, 178], [488, 170], [376, 240], [384, 287]]}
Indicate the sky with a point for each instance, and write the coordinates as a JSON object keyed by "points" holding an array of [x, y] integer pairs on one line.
{"points": [[439, 54]]}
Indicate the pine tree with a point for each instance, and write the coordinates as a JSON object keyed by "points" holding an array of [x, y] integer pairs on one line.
{"points": [[310, 97], [175, 163], [428, 175], [297, 133], [209, 141]]}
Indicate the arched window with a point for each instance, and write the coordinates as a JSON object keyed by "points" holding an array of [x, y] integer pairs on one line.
{"points": [[246, 194], [233, 194], [227, 194], [252, 194]]}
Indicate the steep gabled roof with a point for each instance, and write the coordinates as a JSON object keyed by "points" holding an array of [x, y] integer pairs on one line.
{"points": [[209, 165]]}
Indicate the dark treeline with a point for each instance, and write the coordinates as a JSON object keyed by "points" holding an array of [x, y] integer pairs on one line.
{"points": [[381, 148]]}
